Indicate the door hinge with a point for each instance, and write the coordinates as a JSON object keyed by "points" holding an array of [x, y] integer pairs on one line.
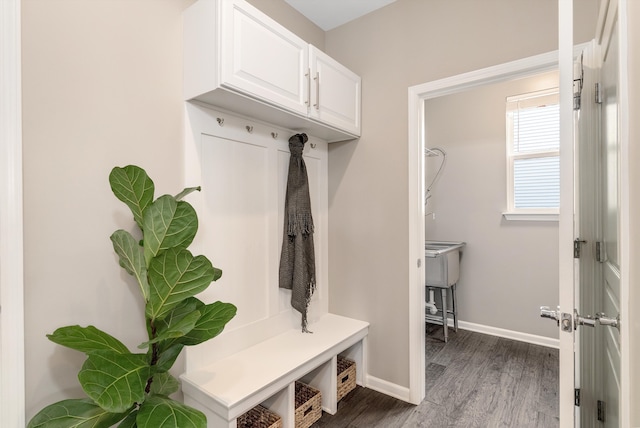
{"points": [[602, 411], [576, 397], [419, 262], [577, 245], [577, 87], [600, 252], [598, 94]]}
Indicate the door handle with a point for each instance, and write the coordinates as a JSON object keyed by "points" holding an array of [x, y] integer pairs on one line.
{"points": [[589, 321], [579, 320], [547, 312], [317, 79], [603, 319], [308, 76]]}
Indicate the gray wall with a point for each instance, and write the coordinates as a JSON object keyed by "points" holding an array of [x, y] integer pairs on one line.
{"points": [[293, 20], [509, 268], [102, 87], [407, 43]]}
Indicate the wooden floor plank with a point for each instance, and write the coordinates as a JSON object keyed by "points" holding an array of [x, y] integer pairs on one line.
{"points": [[474, 380]]}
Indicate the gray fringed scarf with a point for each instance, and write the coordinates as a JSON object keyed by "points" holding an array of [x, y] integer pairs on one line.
{"points": [[297, 261]]}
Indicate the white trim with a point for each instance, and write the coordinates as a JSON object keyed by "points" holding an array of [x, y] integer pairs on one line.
{"points": [[388, 388], [530, 216], [498, 73], [416, 248], [509, 334], [519, 336], [566, 229], [417, 95], [12, 389]]}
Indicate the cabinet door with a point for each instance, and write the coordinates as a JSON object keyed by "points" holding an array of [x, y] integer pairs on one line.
{"points": [[262, 59], [335, 93]]}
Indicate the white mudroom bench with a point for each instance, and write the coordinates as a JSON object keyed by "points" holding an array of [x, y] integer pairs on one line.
{"points": [[265, 373]]}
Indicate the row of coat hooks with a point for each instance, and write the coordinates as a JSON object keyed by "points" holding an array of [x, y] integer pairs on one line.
{"points": [[249, 129]]}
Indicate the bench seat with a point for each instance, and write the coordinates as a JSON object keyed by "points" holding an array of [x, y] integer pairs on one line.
{"points": [[267, 371]]}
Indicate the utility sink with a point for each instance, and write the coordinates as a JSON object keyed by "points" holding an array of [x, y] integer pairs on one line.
{"points": [[442, 263]]}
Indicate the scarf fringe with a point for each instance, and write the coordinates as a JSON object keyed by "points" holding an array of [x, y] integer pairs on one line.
{"points": [[312, 289], [299, 223]]}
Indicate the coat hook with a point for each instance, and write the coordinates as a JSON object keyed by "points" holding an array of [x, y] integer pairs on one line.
{"points": [[220, 121], [249, 129], [313, 145], [274, 135]]}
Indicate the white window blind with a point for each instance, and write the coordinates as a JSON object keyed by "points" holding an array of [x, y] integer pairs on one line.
{"points": [[533, 152]]}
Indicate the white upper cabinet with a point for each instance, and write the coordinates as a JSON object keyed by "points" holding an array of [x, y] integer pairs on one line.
{"points": [[238, 58], [262, 59], [335, 92]]}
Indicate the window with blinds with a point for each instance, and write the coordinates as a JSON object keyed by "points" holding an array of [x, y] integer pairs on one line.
{"points": [[533, 152]]}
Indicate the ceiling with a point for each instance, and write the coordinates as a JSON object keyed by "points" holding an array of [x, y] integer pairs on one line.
{"points": [[329, 14]]}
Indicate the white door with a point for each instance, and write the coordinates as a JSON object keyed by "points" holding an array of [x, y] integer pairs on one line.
{"points": [[587, 228], [261, 58], [599, 291], [334, 93], [608, 291], [591, 397]]}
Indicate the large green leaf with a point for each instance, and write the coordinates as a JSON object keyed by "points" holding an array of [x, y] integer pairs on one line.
{"points": [[132, 186], [131, 258], [74, 413], [176, 275], [210, 324], [164, 384], [87, 339], [167, 357], [115, 381], [184, 308], [129, 421], [162, 412], [167, 224], [177, 329]]}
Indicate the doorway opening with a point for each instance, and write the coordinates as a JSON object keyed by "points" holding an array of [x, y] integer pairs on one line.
{"points": [[419, 97], [510, 260]]}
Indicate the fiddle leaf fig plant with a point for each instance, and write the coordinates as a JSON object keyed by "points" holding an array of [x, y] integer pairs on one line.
{"points": [[132, 389]]}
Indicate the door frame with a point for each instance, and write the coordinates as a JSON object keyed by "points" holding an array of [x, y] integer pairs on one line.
{"points": [[568, 412], [417, 96], [619, 8], [12, 381], [625, 220]]}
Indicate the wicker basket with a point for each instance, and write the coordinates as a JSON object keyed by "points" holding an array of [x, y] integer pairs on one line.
{"points": [[259, 417], [308, 405], [346, 376]]}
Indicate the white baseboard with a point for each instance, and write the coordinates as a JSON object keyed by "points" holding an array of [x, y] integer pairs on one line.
{"points": [[388, 388], [509, 334]]}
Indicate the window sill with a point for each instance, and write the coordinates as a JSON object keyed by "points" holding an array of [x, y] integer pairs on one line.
{"points": [[530, 216]]}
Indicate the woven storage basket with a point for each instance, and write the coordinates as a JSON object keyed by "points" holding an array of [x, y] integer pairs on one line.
{"points": [[346, 376], [308, 405], [259, 417]]}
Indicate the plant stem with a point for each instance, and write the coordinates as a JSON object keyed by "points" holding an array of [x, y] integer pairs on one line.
{"points": [[154, 356]]}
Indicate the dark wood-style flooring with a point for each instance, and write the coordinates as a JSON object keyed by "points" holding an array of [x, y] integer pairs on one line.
{"points": [[475, 380]]}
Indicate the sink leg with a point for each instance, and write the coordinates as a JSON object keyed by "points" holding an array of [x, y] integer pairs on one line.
{"points": [[443, 293], [455, 308]]}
